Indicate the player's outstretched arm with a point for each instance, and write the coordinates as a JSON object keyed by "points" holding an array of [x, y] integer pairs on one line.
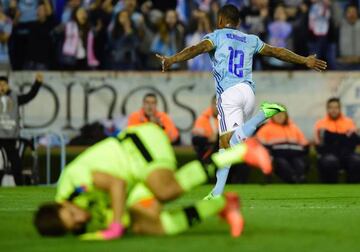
{"points": [[116, 188], [286, 55], [186, 54]]}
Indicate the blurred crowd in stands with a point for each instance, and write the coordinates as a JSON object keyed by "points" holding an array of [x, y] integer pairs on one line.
{"points": [[126, 34]]}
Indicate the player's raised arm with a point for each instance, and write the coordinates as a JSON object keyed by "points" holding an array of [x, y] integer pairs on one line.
{"points": [[286, 55], [186, 54], [117, 191]]}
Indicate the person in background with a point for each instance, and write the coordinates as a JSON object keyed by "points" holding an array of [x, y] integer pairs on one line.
{"points": [[99, 12], [322, 32], [78, 47], [206, 131], [185, 10], [5, 4], [279, 34], [146, 34], [336, 140], [255, 16], [291, 7], [201, 23], [68, 9], [150, 113], [214, 8], [107, 14], [288, 147], [170, 38], [40, 49], [349, 40], [10, 101], [123, 43], [301, 31], [129, 6], [5, 32], [24, 14]]}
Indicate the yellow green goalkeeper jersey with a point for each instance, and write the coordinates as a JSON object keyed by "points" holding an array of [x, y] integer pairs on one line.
{"points": [[97, 204], [131, 156]]}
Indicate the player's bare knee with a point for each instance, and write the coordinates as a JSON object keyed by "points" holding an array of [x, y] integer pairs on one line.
{"points": [[166, 193], [143, 227], [146, 220], [225, 140], [163, 184]]}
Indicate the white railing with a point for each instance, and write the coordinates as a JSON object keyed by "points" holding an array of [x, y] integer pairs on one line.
{"points": [[48, 134]]}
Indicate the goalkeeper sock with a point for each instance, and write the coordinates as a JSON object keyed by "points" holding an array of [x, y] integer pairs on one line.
{"points": [[178, 221], [230, 156], [191, 175], [194, 173], [224, 159], [221, 177], [248, 129], [235, 153]]}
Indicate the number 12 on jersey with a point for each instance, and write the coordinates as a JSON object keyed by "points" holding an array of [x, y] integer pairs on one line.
{"points": [[236, 62]]}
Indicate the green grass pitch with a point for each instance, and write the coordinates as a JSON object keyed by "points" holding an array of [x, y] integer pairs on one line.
{"points": [[278, 218]]}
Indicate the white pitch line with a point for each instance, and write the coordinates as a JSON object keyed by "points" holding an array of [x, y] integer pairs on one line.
{"points": [[7, 209], [4, 209], [305, 207]]}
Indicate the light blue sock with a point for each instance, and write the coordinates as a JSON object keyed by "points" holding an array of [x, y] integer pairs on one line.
{"points": [[248, 129], [221, 177], [240, 134]]}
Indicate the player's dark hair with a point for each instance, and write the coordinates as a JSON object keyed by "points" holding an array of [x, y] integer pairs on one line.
{"points": [[333, 99], [47, 220], [231, 13], [149, 95], [4, 78]]}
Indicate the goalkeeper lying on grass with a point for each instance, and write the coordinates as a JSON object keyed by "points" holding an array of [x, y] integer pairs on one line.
{"points": [[120, 183]]}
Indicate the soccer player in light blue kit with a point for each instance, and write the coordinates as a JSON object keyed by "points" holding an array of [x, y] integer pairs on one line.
{"points": [[231, 53]]}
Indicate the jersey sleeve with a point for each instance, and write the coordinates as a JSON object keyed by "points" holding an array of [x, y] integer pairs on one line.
{"points": [[170, 127], [262, 134], [133, 119], [199, 129], [212, 38], [71, 183], [317, 127], [352, 124], [259, 44], [301, 137]]}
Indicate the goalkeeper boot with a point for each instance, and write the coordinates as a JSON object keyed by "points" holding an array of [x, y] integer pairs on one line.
{"points": [[231, 213], [257, 155], [271, 109]]}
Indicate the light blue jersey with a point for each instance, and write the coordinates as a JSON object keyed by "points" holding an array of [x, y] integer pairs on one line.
{"points": [[232, 57]]}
